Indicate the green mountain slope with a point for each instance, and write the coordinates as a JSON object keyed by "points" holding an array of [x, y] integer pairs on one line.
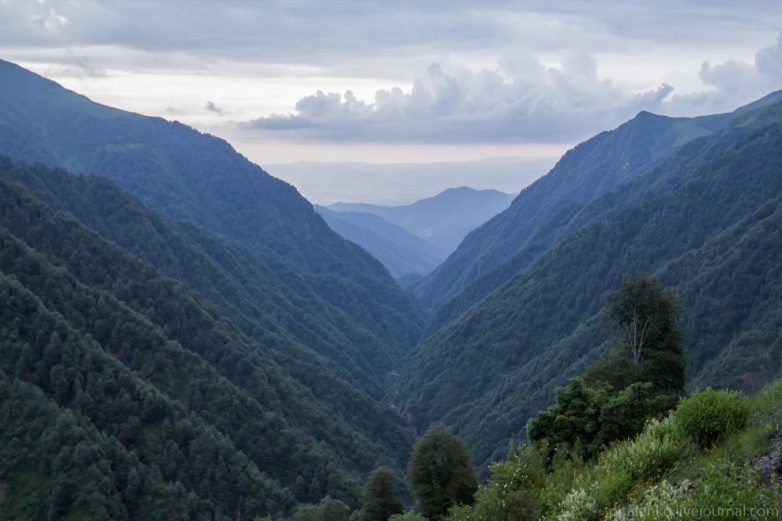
{"points": [[265, 298], [589, 170], [200, 179], [240, 422], [494, 366], [571, 218]]}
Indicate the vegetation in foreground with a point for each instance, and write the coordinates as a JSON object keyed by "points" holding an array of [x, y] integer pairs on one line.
{"points": [[620, 443]]}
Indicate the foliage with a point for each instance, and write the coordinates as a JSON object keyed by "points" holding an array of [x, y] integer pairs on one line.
{"points": [[200, 179], [710, 415], [490, 367], [440, 473], [646, 320], [240, 425], [328, 509], [379, 501], [589, 170], [660, 474], [410, 515], [590, 412], [724, 491], [512, 493]]}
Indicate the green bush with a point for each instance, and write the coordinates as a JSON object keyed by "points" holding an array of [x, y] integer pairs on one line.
{"points": [[410, 515], [710, 415], [725, 491], [731, 491]]}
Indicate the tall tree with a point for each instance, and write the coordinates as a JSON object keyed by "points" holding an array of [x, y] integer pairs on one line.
{"points": [[440, 473], [645, 317], [379, 500]]}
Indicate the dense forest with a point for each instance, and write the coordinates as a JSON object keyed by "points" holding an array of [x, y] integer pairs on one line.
{"points": [[704, 221], [183, 337], [147, 360]]}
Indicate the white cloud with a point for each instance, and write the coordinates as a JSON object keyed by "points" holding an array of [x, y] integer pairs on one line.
{"points": [[732, 83], [519, 100]]}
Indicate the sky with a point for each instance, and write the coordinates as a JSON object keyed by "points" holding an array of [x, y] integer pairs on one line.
{"points": [[406, 81]]}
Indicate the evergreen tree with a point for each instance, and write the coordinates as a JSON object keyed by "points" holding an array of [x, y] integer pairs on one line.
{"points": [[440, 473], [379, 501]]}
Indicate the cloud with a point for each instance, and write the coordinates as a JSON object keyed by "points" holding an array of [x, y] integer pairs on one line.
{"points": [[520, 100], [212, 107], [733, 83], [75, 68], [366, 37]]}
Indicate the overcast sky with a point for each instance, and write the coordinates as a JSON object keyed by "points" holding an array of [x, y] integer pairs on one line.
{"points": [[406, 80]]}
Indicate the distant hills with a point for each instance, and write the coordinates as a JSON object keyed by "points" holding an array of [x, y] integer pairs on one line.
{"points": [[400, 251], [414, 238], [694, 201], [443, 219]]}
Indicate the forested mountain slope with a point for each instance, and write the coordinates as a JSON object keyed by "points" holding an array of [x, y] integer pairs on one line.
{"points": [[260, 294], [708, 226], [156, 378], [400, 251], [587, 171], [201, 179]]}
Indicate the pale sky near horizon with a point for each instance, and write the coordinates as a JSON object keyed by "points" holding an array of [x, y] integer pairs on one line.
{"points": [[301, 80]]}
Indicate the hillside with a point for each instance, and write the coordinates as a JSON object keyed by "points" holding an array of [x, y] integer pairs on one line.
{"points": [[155, 376], [586, 172], [688, 222], [663, 473], [200, 179], [400, 251], [443, 219]]}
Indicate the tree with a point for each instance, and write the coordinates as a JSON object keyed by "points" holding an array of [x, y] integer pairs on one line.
{"points": [[646, 320], [618, 393], [379, 501], [440, 473]]}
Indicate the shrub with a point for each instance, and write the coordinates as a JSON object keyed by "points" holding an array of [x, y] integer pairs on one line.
{"points": [[710, 415], [512, 494], [410, 515], [731, 491], [579, 505], [653, 452]]}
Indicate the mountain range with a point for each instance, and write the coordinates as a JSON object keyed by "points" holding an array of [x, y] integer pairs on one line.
{"points": [[413, 239], [692, 201], [185, 336]]}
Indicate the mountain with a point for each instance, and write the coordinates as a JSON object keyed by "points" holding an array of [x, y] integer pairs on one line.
{"points": [[704, 220], [200, 179], [587, 171], [400, 251], [443, 219], [170, 395]]}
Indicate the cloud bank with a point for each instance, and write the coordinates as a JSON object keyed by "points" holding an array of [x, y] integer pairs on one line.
{"points": [[521, 100]]}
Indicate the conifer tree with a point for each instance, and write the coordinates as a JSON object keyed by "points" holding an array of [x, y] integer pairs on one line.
{"points": [[440, 473]]}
